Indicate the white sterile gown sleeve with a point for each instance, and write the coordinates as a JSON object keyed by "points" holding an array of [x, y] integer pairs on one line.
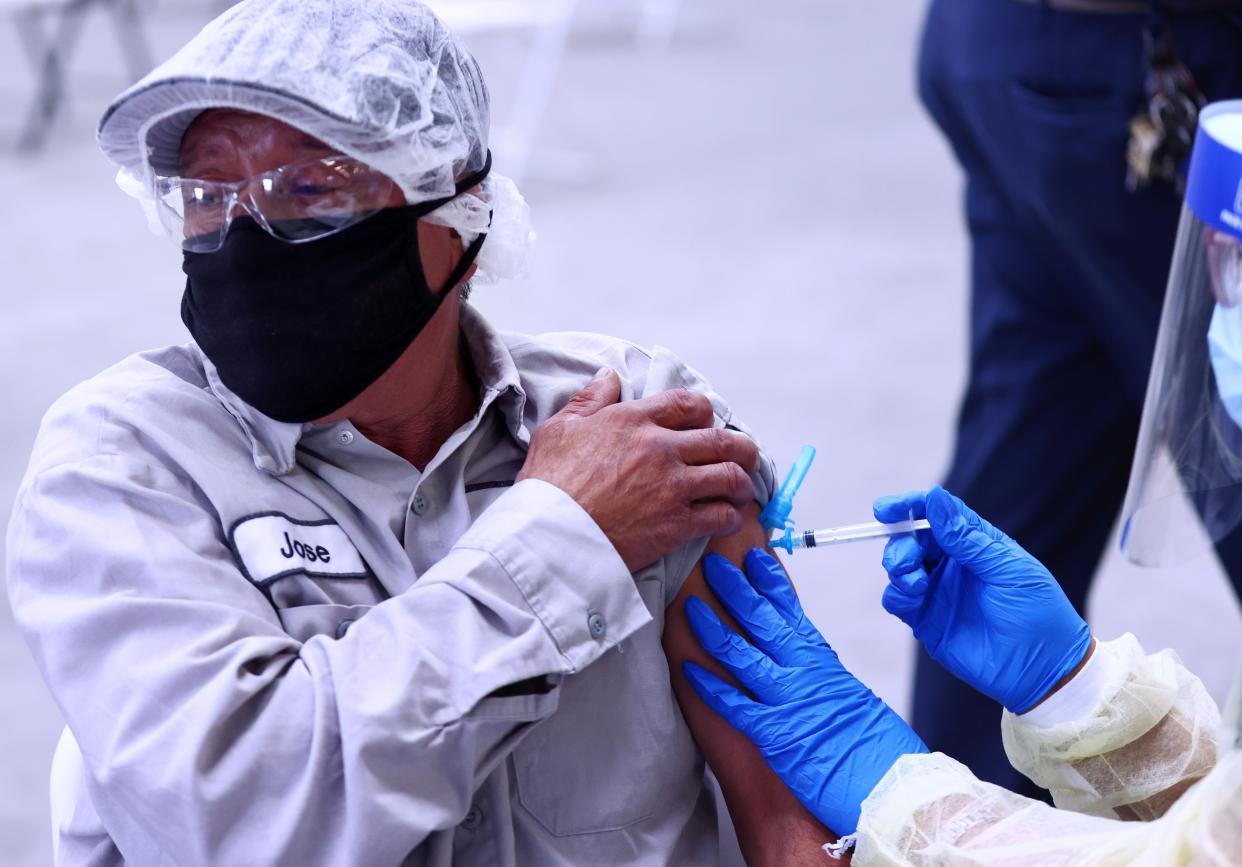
{"points": [[1131, 737]]}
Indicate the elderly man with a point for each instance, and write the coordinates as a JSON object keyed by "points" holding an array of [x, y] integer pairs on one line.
{"points": [[308, 590]]}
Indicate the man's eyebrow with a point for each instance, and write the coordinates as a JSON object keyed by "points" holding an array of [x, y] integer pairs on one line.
{"points": [[201, 150]]}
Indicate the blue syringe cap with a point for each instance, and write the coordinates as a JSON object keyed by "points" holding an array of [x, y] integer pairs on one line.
{"points": [[776, 514]]}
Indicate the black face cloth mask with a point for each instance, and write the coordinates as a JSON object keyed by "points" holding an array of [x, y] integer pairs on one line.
{"points": [[300, 330]]}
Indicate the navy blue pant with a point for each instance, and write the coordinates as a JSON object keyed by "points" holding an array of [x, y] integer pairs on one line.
{"points": [[1068, 273]]}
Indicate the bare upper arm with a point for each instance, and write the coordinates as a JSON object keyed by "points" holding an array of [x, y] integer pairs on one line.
{"points": [[772, 825]]}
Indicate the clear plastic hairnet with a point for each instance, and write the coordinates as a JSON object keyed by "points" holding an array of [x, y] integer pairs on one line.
{"points": [[1190, 440], [380, 80]]}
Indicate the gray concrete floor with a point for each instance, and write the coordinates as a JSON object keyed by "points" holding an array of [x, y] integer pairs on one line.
{"points": [[765, 197]]}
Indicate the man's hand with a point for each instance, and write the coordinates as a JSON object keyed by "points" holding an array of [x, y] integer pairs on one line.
{"points": [[652, 473]]}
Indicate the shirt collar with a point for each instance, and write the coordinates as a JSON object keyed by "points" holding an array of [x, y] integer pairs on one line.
{"points": [[498, 373], [274, 444]]}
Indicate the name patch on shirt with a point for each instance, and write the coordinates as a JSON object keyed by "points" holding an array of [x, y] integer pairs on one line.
{"points": [[271, 546]]}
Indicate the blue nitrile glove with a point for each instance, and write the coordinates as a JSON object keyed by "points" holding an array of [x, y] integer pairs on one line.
{"points": [[824, 733], [983, 607]]}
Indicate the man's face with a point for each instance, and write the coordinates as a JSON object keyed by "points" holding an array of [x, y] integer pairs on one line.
{"points": [[230, 145]]}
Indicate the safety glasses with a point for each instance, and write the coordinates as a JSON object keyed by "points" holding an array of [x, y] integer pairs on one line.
{"points": [[299, 202]]}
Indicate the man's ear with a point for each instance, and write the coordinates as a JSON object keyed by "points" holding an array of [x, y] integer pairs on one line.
{"points": [[440, 249]]}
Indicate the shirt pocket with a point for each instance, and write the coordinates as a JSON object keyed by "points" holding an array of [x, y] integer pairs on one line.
{"points": [[617, 749], [306, 621], [1072, 141]]}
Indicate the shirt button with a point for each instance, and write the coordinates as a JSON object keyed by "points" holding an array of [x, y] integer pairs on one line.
{"points": [[596, 624], [473, 819], [343, 627], [419, 506], [345, 437]]}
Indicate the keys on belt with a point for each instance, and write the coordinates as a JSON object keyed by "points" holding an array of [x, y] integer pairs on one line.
{"points": [[1162, 135]]}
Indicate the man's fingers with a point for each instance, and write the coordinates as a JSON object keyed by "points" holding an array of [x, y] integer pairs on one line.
{"points": [[727, 482], [678, 409], [717, 518], [718, 446], [603, 390]]}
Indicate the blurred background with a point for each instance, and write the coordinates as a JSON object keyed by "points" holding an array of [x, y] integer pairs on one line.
{"points": [[759, 192]]}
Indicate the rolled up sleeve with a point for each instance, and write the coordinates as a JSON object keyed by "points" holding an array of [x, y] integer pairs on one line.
{"points": [[665, 371]]}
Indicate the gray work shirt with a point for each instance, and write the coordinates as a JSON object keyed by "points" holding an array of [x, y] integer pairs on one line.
{"points": [[282, 644]]}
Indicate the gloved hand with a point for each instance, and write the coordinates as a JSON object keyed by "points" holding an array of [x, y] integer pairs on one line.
{"points": [[824, 733], [983, 607]]}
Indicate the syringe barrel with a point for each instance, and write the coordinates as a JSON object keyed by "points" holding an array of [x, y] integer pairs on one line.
{"points": [[860, 532]]}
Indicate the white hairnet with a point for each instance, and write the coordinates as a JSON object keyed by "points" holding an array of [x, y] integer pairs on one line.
{"points": [[382, 81]]}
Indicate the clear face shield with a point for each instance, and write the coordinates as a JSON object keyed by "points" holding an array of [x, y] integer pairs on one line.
{"points": [[1186, 485]]}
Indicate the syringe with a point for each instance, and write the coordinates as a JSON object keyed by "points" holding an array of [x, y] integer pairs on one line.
{"points": [[840, 535], [775, 518]]}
